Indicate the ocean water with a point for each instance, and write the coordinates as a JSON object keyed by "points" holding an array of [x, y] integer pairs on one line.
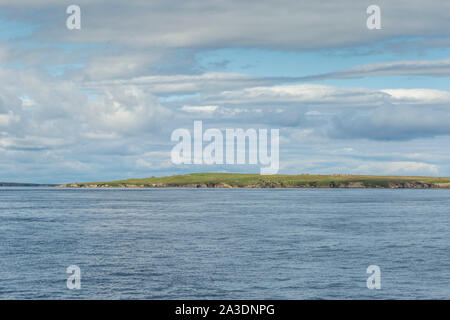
{"points": [[224, 244]]}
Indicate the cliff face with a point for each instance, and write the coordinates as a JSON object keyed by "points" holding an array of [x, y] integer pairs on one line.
{"points": [[413, 185]]}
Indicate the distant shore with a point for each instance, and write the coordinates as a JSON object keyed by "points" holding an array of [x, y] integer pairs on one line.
{"points": [[236, 180], [18, 184]]}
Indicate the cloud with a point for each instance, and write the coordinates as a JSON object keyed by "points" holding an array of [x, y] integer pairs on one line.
{"points": [[6, 119], [314, 95], [199, 109], [398, 168], [392, 123], [418, 96], [127, 110], [123, 40], [318, 95], [101, 102], [38, 110], [186, 83], [206, 24], [431, 68]]}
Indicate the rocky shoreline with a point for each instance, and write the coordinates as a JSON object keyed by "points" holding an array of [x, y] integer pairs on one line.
{"points": [[278, 185]]}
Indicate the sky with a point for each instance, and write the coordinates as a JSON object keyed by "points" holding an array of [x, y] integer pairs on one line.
{"points": [[100, 102]]}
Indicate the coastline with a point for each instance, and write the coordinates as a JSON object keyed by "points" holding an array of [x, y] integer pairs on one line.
{"points": [[254, 181]]}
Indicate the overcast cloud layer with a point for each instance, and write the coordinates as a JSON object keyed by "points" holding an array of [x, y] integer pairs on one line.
{"points": [[101, 102]]}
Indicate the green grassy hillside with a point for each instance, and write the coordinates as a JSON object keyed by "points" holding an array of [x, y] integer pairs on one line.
{"points": [[215, 180]]}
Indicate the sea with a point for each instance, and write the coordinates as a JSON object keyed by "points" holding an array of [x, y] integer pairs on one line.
{"points": [[224, 243]]}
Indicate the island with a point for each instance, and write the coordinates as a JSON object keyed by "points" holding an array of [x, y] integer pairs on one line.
{"points": [[240, 180]]}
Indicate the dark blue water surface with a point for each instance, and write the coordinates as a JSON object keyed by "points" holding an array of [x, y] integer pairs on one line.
{"points": [[224, 244]]}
